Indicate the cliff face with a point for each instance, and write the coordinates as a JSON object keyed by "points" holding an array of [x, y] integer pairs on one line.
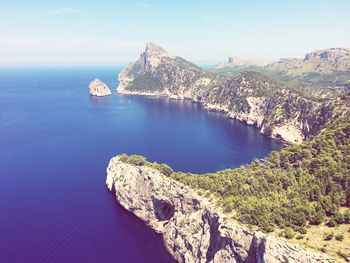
{"points": [[319, 61], [253, 98], [192, 230], [98, 88]]}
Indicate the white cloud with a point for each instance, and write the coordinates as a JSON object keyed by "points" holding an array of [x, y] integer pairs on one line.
{"points": [[63, 11]]}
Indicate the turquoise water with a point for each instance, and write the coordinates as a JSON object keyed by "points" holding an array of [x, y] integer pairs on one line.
{"points": [[56, 142]]}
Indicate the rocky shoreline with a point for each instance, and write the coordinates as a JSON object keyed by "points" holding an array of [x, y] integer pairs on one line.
{"points": [[277, 111], [192, 229]]}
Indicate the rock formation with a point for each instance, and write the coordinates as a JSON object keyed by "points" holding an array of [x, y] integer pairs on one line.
{"points": [[98, 88], [276, 110], [239, 62], [192, 229], [320, 61]]}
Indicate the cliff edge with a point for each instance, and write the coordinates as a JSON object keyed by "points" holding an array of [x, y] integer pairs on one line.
{"points": [[192, 229], [275, 109]]}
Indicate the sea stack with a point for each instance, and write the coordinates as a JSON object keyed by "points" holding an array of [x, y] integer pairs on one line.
{"points": [[98, 88]]}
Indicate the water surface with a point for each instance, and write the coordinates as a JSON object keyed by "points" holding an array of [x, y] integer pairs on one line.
{"points": [[55, 144]]}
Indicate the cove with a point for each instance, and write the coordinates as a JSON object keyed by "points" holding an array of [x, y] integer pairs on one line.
{"points": [[56, 142]]}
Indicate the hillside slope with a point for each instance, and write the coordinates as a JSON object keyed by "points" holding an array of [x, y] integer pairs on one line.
{"points": [[277, 110]]}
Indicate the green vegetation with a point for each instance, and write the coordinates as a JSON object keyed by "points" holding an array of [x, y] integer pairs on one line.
{"points": [[138, 160], [337, 78], [301, 185], [146, 82], [288, 233], [328, 236], [314, 86], [339, 237]]}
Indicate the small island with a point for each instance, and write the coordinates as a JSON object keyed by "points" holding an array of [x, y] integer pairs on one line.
{"points": [[99, 88]]}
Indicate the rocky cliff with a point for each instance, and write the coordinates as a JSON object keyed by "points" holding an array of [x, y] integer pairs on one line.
{"points": [[192, 230], [319, 61], [98, 88], [277, 111]]}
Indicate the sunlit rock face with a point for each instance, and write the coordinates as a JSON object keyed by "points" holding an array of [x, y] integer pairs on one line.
{"points": [[192, 229], [276, 110], [98, 88]]}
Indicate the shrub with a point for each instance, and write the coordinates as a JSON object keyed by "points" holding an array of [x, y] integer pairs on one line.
{"points": [[339, 237], [288, 233], [346, 217], [339, 218], [328, 236], [166, 169], [332, 223], [343, 255], [133, 159], [302, 230]]}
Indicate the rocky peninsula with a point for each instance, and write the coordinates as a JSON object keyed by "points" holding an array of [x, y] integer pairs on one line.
{"points": [[99, 88], [192, 229], [278, 111]]}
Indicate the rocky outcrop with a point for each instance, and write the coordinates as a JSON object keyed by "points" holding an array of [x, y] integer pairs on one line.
{"points": [[98, 88], [239, 62], [319, 61], [276, 110], [192, 229]]}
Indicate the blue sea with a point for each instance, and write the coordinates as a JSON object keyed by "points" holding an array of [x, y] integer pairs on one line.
{"points": [[55, 144]]}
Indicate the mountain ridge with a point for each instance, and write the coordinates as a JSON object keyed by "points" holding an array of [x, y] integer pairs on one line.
{"points": [[277, 110]]}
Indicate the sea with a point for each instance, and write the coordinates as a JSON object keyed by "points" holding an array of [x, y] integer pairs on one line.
{"points": [[55, 144]]}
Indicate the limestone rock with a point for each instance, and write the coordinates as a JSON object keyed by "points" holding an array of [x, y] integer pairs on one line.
{"points": [[319, 61], [98, 88], [276, 110], [192, 229]]}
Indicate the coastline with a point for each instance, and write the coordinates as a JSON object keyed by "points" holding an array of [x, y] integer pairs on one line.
{"points": [[208, 107], [193, 229]]}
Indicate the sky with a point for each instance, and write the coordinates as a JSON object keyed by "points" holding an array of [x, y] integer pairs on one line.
{"points": [[115, 32]]}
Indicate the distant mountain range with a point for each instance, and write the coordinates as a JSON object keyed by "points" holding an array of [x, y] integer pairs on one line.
{"points": [[241, 62], [320, 61], [327, 68]]}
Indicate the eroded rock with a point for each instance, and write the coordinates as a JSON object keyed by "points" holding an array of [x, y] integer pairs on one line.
{"points": [[192, 229], [98, 88]]}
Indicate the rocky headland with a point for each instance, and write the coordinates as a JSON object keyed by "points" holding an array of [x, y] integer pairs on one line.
{"points": [[99, 88], [278, 111], [192, 229]]}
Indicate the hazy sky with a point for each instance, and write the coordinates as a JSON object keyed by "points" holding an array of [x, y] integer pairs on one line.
{"points": [[202, 31]]}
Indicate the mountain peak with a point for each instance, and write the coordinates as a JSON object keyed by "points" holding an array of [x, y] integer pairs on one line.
{"points": [[154, 49], [153, 55], [328, 54], [233, 61]]}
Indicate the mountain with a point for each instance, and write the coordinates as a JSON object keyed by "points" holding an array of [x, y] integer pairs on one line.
{"points": [[325, 71], [239, 62], [277, 110], [321, 61]]}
